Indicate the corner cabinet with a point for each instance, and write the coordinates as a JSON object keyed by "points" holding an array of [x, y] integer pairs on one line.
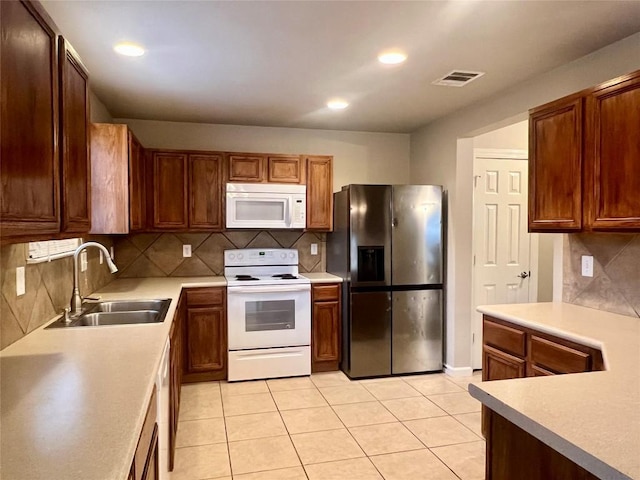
{"points": [[325, 327], [584, 173], [205, 334], [319, 193]]}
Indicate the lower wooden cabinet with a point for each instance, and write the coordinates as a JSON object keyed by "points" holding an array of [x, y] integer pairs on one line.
{"points": [[325, 327], [175, 376], [205, 335], [498, 365], [145, 464]]}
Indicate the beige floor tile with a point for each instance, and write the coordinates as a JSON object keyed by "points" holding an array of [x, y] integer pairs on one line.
{"points": [[295, 399], [201, 388], [256, 425], [257, 455], [390, 390], [414, 465], [295, 383], [413, 408], [330, 379], [356, 469], [472, 421], [200, 432], [439, 431], [311, 420], [199, 406], [243, 388], [432, 384], [465, 381], [293, 473], [367, 413], [346, 394], [204, 461], [246, 404], [455, 403], [385, 438], [326, 446], [466, 460]]}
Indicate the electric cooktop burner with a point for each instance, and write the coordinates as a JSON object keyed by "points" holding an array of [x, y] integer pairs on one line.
{"points": [[244, 278], [285, 276]]}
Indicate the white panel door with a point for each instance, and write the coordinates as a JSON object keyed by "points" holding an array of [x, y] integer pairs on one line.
{"points": [[502, 245]]}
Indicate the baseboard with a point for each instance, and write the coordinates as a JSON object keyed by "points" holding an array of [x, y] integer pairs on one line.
{"points": [[458, 371]]}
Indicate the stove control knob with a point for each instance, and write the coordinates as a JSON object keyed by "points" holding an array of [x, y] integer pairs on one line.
{"points": [[232, 256], [240, 256], [292, 254], [283, 255]]}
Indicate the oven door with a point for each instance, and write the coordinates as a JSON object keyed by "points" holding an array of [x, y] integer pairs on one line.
{"points": [[269, 316]]}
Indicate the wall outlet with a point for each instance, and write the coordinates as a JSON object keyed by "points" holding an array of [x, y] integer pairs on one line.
{"points": [[314, 249], [186, 250], [20, 283], [587, 266], [83, 261]]}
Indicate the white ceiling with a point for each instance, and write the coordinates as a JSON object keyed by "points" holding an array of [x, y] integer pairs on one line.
{"points": [[276, 63]]}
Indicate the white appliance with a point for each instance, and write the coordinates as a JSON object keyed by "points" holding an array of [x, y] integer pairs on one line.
{"points": [[268, 314], [266, 205], [162, 386]]}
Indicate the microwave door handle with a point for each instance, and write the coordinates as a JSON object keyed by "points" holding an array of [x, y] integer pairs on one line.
{"points": [[301, 288], [288, 209]]}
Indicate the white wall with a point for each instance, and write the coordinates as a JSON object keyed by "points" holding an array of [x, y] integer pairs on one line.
{"points": [[99, 113], [435, 159], [358, 157]]}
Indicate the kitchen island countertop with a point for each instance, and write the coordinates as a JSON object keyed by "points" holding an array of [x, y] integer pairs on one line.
{"points": [[591, 418]]}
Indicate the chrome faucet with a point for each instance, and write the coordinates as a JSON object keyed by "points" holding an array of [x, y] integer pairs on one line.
{"points": [[76, 299]]}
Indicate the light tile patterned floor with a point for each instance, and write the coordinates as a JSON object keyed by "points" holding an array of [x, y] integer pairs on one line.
{"points": [[327, 427]]}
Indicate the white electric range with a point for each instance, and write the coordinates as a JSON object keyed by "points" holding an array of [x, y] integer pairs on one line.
{"points": [[268, 314]]}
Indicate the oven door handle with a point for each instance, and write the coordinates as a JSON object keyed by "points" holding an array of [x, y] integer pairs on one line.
{"points": [[298, 288]]}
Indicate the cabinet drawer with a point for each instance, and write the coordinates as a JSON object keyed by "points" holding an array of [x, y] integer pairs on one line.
{"points": [[205, 296], [146, 437], [505, 338], [558, 358], [323, 293]]}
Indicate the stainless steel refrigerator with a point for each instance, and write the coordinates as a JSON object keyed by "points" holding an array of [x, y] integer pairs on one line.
{"points": [[387, 245]]}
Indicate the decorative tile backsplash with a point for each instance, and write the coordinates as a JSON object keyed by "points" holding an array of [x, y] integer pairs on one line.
{"points": [[48, 288], [615, 285], [160, 254]]}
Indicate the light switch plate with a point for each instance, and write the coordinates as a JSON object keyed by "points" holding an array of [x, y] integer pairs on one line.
{"points": [[314, 249], [587, 266], [20, 283], [186, 250]]}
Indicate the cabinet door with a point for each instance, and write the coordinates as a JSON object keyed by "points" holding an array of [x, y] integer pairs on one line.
{"points": [[246, 168], [555, 166], [206, 339], [74, 141], [319, 193], [169, 191], [285, 169], [29, 193], [498, 365], [205, 192], [612, 157], [325, 337], [151, 467], [137, 203], [175, 365]]}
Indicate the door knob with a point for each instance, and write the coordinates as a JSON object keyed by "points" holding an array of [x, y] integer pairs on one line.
{"points": [[524, 275]]}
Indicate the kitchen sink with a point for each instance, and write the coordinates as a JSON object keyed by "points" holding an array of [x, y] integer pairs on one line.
{"points": [[118, 312]]}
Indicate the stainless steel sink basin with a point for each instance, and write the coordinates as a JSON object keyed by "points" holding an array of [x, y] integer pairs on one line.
{"points": [[118, 312]]}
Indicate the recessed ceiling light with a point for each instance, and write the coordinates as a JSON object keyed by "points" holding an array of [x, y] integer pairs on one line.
{"points": [[129, 49], [337, 104], [392, 58]]}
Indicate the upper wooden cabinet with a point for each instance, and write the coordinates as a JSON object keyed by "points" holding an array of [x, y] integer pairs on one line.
{"points": [[319, 193], [584, 172], [246, 167], [29, 122], [205, 191], [265, 168], [285, 169], [117, 180], [612, 155], [74, 141], [168, 196]]}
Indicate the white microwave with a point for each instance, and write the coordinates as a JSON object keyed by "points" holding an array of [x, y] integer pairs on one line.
{"points": [[266, 205]]}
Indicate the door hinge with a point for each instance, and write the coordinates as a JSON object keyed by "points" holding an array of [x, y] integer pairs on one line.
{"points": [[474, 260], [475, 180], [473, 338]]}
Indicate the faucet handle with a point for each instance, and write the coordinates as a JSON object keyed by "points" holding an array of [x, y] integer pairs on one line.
{"points": [[67, 311], [95, 298]]}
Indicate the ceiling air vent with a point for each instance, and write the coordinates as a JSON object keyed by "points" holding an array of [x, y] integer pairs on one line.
{"points": [[458, 78]]}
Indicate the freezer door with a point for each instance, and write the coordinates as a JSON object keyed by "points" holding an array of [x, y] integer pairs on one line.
{"points": [[417, 331], [370, 334], [417, 235], [370, 243]]}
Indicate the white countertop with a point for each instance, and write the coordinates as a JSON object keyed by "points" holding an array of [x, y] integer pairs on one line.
{"points": [[322, 277], [591, 418], [73, 400]]}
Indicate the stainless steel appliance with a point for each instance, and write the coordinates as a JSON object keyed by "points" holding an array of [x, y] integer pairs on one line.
{"points": [[268, 314], [266, 205], [387, 245]]}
